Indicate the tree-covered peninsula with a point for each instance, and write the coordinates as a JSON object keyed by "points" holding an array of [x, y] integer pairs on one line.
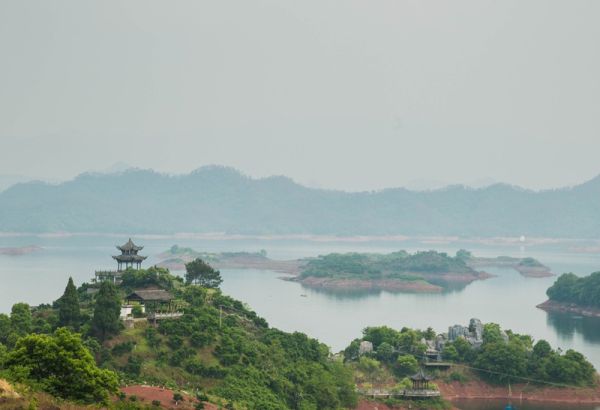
{"points": [[571, 293], [472, 359], [212, 350]]}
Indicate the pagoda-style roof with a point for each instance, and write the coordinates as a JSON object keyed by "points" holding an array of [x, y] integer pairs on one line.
{"points": [[130, 246], [421, 376], [150, 295], [129, 258]]}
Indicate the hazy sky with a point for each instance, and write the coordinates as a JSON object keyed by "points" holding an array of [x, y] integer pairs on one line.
{"points": [[346, 94]]}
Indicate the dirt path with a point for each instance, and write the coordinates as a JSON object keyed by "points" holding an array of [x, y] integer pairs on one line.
{"points": [[147, 394]]}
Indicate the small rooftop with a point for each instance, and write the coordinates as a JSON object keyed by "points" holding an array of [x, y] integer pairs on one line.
{"points": [[130, 246], [421, 376], [150, 295]]}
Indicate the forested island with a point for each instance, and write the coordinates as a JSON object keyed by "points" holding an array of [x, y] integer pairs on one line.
{"points": [[176, 257], [574, 294], [426, 271]]}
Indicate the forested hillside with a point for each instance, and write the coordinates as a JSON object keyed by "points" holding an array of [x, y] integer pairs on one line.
{"points": [[77, 349], [217, 199]]}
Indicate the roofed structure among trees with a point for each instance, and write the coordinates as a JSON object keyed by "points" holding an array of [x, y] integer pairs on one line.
{"points": [[129, 256]]}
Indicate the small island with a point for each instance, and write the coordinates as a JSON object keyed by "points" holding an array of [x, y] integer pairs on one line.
{"points": [[420, 272], [573, 294], [529, 267], [176, 257], [428, 271]]}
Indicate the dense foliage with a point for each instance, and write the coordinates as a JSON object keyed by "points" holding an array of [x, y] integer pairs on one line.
{"points": [[153, 276], [503, 356], [583, 291], [61, 365], [218, 347], [400, 265], [201, 273]]}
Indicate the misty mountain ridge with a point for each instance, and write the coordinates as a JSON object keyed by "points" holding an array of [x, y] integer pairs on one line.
{"points": [[222, 199]]}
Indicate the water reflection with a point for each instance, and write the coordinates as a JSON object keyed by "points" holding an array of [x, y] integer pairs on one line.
{"points": [[567, 326], [500, 404], [342, 294]]}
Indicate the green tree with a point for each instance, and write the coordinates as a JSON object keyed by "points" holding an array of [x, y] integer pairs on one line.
{"points": [[20, 319], [492, 333], [566, 288], [501, 361], [5, 328], [62, 366], [463, 254], [542, 349], [201, 273], [450, 353], [385, 352], [68, 307], [106, 312], [406, 365], [177, 397]]}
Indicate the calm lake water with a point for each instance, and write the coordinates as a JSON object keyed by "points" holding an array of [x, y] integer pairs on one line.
{"points": [[335, 318], [500, 404]]}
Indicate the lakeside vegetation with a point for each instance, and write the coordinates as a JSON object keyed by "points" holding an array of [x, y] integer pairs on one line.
{"points": [[581, 291], [218, 349], [503, 357]]}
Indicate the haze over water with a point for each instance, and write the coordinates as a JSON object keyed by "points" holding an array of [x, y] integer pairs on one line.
{"points": [[508, 299]]}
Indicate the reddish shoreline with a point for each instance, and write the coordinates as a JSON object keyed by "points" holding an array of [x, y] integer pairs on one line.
{"points": [[553, 306], [526, 392]]}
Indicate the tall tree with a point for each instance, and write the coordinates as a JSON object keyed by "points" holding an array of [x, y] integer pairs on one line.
{"points": [[20, 319], [201, 273], [106, 311], [68, 307]]}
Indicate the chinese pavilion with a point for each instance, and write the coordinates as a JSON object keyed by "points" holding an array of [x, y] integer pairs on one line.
{"points": [[129, 257]]}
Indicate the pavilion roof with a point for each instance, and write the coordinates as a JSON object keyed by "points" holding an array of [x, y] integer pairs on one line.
{"points": [[129, 258], [150, 295], [130, 246], [420, 376]]}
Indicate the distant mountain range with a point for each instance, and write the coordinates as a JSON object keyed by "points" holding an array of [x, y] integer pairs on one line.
{"points": [[219, 199]]}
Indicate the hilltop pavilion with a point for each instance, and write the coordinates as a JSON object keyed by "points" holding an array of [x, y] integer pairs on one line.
{"points": [[129, 256]]}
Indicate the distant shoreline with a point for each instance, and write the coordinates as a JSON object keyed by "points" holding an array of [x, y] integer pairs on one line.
{"points": [[427, 240], [19, 250], [554, 306]]}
